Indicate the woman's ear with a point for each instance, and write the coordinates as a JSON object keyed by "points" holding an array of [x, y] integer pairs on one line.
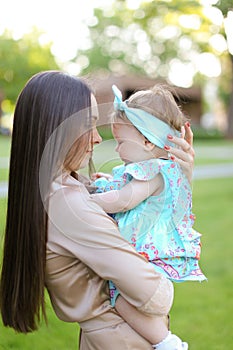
{"points": [[149, 146]]}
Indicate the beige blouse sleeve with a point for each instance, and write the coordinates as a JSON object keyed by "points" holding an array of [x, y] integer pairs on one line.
{"points": [[93, 237]]}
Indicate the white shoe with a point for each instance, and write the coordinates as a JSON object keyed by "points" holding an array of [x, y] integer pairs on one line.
{"points": [[185, 346], [171, 342]]}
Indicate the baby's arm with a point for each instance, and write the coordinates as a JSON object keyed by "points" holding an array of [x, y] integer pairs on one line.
{"points": [[153, 328], [130, 195]]}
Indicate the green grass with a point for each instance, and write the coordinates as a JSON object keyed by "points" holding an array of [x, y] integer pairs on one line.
{"points": [[202, 312], [5, 144], [204, 161], [4, 174], [213, 142], [58, 335]]}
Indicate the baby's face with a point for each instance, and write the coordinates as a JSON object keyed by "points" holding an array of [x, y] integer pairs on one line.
{"points": [[131, 144]]}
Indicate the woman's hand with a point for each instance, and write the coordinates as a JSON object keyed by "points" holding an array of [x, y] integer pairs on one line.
{"points": [[184, 154]]}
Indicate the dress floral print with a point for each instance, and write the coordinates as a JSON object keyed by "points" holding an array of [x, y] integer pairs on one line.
{"points": [[161, 227]]}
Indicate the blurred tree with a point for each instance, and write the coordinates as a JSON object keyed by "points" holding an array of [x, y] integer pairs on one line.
{"points": [[19, 60], [145, 39], [226, 7], [182, 42]]}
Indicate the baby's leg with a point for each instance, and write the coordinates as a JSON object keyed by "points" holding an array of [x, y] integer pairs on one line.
{"points": [[152, 328]]}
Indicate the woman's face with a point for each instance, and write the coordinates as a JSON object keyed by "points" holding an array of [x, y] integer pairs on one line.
{"points": [[95, 137]]}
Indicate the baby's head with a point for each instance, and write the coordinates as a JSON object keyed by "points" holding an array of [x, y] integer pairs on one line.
{"points": [[159, 102], [154, 113]]}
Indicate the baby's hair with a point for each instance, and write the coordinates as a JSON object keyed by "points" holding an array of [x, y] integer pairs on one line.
{"points": [[158, 101]]}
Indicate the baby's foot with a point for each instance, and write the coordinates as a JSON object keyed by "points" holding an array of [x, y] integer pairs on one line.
{"points": [[185, 346], [171, 342]]}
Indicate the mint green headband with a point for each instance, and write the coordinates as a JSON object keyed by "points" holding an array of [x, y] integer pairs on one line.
{"points": [[154, 129]]}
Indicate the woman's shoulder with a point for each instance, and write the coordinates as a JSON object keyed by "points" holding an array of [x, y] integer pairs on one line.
{"points": [[64, 180]]}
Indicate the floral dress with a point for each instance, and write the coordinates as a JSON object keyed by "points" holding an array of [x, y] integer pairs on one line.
{"points": [[161, 227]]}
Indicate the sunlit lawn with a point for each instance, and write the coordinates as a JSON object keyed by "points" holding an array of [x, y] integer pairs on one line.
{"points": [[202, 312], [4, 153], [4, 145]]}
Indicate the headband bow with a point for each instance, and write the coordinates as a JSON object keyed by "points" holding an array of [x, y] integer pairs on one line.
{"points": [[154, 129]]}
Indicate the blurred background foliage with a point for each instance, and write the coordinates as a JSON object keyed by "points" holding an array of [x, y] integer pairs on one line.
{"points": [[183, 43], [19, 60], [167, 40]]}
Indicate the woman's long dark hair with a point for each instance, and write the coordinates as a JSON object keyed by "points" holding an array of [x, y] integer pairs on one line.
{"points": [[47, 100]]}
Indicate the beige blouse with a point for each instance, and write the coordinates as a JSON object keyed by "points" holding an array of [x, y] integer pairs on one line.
{"points": [[84, 250]]}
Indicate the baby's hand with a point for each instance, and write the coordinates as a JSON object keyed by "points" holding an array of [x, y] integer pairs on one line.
{"points": [[96, 176]]}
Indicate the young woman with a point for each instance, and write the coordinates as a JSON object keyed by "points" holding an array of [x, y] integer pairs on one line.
{"points": [[56, 235]]}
